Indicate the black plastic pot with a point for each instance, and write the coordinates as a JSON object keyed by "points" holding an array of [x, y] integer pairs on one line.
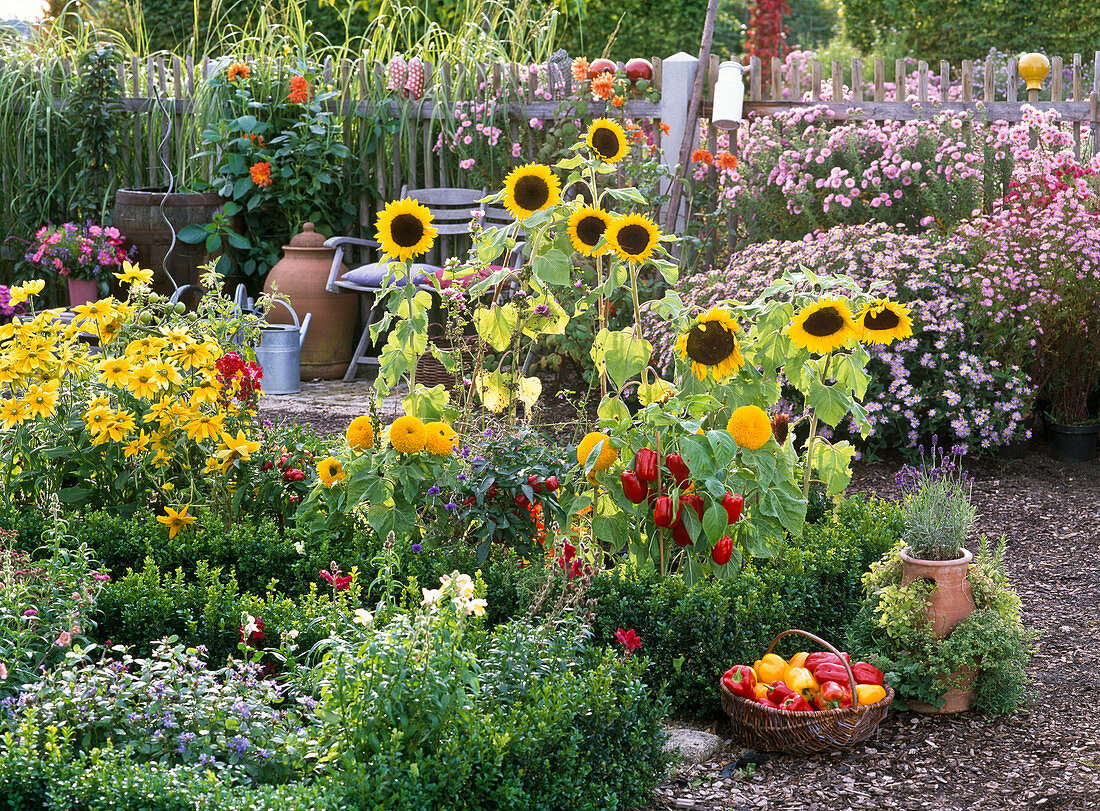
{"points": [[1073, 443]]}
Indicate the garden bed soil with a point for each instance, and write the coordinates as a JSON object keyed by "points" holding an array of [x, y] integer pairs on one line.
{"points": [[1046, 755]]}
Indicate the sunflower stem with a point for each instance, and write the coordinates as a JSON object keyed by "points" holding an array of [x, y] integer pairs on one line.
{"points": [[808, 465]]}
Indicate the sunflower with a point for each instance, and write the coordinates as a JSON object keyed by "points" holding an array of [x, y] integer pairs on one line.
{"points": [[531, 188], [331, 471], [407, 435], [177, 522], [440, 438], [405, 229], [823, 326], [750, 427], [883, 322], [711, 345], [607, 139], [360, 434], [607, 456], [632, 237], [586, 225]]}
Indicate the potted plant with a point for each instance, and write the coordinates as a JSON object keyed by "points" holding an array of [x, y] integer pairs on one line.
{"points": [[938, 519], [83, 255], [979, 664]]}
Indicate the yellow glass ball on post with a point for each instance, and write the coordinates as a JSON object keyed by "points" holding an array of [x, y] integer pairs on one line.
{"points": [[1033, 69]]}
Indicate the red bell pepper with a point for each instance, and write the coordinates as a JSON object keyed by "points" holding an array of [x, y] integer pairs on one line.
{"points": [[694, 501], [633, 488], [830, 671], [722, 551], [662, 512], [551, 483], [681, 536], [780, 692], [867, 674], [796, 704], [678, 468], [833, 695], [767, 702], [733, 504], [741, 681], [645, 464], [814, 659]]}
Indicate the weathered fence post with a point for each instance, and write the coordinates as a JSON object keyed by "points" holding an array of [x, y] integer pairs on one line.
{"points": [[677, 76]]}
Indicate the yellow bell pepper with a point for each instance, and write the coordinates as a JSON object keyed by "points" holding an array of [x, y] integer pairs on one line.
{"points": [[761, 691], [870, 693], [799, 659], [770, 668], [801, 681]]}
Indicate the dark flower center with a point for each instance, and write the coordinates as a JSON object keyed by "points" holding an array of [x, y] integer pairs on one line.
{"points": [[406, 230], [710, 343], [883, 320], [825, 322], [606, 142], [589, 229], [333, 468], [633, 239], [532, 192]]}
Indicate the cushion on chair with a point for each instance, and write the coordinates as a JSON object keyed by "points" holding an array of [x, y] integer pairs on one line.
{"points": [[374, 274]]}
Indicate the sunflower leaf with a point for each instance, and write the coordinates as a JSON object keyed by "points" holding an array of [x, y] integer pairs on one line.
{"points": [[628, 194], [833, 462], [621, 355], [496, 325], [551, 267]]}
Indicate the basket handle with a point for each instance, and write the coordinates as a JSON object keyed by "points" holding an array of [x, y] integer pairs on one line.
{"points": [[831, 649]]}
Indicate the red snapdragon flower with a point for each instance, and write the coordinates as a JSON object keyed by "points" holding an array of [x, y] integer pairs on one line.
{"points": [[628, 639]]}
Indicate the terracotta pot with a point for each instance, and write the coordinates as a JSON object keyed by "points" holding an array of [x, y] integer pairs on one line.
{"points": [[953, 601], [82, 291], [301, 275], [957, 699]]}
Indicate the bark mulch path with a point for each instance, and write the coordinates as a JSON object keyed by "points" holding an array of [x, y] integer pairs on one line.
{"points": [[1046, 755]]}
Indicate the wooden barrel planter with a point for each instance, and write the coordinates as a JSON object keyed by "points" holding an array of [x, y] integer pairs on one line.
{"points": [[143, 217]]}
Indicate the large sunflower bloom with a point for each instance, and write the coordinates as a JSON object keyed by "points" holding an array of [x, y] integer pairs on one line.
{"points": [[883, 322], [586, 226], [531, 188], [823, 326], [407, 435], [607, 139], [633, 237], [440, 438], [711, 345], [360, 434], [405, 229], [608, 454], [750, 427]]}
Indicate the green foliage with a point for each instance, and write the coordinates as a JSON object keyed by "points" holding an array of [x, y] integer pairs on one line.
{"points": [[892, 632], [94, 106], [967, 29], [646, 29], [692, 634]]}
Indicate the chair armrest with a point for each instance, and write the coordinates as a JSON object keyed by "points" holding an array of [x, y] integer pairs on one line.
{"points": [[338, 243]]}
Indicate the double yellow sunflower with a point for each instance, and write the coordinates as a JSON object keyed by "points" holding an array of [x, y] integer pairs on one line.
{"points": [[633, 237], [607, 455], [405, 229], [711, 345], [407, 435], [331, 471], [586, 226], [607, 139], [823, 326], [531, 188], [360, 433]]}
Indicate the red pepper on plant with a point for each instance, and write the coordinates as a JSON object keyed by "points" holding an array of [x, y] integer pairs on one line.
{"points": [[722, 551], [551, 483], [733, 503], [678, 468], [534, 483], [681, 535], [662, 512], [645, 464], [695, 501], [634, 488]]}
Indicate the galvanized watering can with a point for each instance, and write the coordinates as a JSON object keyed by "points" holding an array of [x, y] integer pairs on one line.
{"points": [[280, 352]]}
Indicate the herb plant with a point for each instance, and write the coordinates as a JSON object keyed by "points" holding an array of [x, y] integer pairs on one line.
{"points": [[938, 514]]}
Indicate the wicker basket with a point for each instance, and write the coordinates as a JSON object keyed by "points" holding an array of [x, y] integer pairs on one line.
{"points": [[804, 733], [430, 372]]}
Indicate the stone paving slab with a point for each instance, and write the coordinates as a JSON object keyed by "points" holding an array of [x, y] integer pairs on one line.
{"points": [[329, 405]]}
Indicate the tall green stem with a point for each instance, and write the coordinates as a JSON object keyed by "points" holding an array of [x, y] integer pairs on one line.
{"points": [[809, 463]]}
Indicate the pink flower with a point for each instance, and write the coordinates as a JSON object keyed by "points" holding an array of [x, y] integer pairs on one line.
{"points": [[628, 639], [466, 164], [338, 581], [3, 671], [64, 639]]}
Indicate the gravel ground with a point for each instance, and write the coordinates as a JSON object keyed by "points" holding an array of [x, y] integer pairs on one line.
{"points": [[1046, 755]]}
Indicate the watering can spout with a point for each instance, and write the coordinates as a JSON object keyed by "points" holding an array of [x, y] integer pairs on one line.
{"points": [[305, 329]]}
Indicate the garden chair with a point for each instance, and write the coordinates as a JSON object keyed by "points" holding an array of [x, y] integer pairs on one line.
{"points": [[452, 209]]}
